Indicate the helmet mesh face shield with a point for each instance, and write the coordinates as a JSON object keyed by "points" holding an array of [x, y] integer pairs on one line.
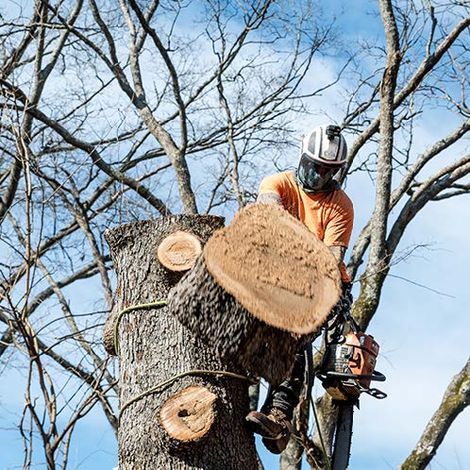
{"points": [[314, 176]]}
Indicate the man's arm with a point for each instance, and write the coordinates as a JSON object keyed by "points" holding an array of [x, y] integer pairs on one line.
{"points": [[338, 229], [269, 198], [338, 252]]}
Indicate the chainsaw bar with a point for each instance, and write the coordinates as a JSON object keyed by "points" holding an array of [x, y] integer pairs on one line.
{"points": [[343, 436]]}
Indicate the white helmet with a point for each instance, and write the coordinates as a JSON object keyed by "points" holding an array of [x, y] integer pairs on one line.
{"points": [[323, 153]]}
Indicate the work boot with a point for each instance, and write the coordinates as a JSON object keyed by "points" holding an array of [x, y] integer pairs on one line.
{"points": [[275, 428]]}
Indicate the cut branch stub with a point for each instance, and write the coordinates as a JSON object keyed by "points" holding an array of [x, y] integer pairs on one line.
{"points": [[179, 251], [189, 414], [262, 287]]}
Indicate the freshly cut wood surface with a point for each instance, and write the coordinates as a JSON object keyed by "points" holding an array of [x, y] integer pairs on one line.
{"points": [[179, 251], [275, 267], [188, 415]]}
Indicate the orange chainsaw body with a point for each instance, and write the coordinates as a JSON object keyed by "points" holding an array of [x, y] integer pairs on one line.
{"points": [[355, 357], [363, 355]]}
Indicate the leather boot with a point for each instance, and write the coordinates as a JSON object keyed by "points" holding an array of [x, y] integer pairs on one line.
{"points": [[274, 427]]}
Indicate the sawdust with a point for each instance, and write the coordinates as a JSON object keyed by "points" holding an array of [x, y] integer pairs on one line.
{"points": [[275, 267]]}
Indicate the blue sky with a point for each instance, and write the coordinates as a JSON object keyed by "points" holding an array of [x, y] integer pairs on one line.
{"points": [[423, 335]]}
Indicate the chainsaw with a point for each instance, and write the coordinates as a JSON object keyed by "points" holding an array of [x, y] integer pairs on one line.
{"points": [[349, 367], [346, 371]]}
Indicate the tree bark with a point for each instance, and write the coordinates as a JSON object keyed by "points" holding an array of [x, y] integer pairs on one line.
{"points": [[276, 281], [327, 414], [155, 347], [456, 399]]}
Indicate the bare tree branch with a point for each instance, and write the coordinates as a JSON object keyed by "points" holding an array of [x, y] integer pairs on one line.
{"points": [[456, 399]]}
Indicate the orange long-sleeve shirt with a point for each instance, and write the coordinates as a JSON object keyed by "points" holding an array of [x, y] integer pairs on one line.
{"points": [[329, 215]]}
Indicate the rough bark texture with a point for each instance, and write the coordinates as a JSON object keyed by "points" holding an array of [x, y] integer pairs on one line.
{"points": [[259, 348], [248, 259], [291, 458], [154, 347], [455, 400], [327, 415]]}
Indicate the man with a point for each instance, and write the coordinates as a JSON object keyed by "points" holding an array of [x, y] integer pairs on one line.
{"points": [[312, 195]]}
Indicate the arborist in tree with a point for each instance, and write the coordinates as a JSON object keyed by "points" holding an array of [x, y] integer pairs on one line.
{"points": [[312, 195]]}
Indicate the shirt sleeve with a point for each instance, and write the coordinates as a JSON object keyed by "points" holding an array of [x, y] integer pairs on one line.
{"points": [[339, 228], [272, 184]]}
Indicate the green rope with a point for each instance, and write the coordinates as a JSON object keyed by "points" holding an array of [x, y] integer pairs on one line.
{"points": [[165, 383], [322, 442], [132, 308]]}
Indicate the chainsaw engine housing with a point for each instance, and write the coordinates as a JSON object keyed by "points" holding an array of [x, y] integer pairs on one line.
{"points": [[350, 366]]}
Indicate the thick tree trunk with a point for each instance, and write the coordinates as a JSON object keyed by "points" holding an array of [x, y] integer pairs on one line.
{"points": [[206, 429], [276, 281], [327, 414]]}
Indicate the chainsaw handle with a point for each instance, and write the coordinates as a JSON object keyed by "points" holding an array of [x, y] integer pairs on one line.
{"points": [[377, 376], [373, 392]]}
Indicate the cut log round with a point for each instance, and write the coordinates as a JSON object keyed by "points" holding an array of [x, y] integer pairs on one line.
{"points": [[276, 268], [179, 251], [189, 414], [277, 282]]}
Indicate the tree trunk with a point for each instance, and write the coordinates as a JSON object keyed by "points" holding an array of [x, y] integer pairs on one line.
{"points": [[171, 427]]}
